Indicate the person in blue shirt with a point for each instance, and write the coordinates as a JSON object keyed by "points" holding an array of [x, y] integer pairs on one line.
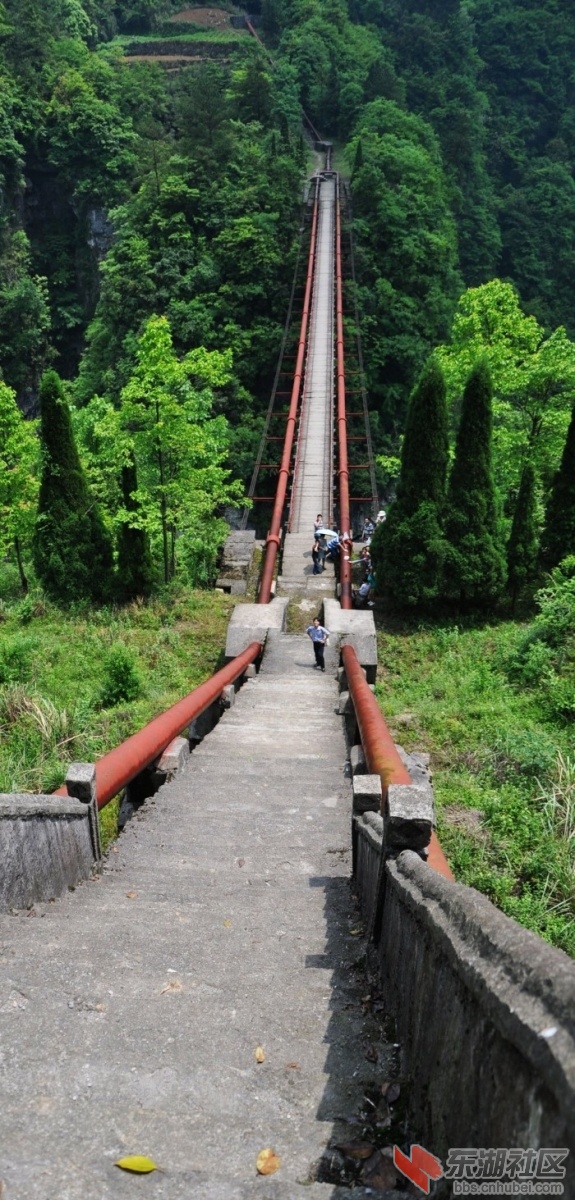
{"points": [[319, 636]]}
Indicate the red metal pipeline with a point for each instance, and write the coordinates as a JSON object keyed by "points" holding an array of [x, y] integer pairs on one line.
{"points": [[122, 764], [343, 469], [379, 748], [274, 535]]}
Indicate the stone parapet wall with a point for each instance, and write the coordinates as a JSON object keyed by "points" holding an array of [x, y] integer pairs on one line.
{"points": [[484, 1009]]}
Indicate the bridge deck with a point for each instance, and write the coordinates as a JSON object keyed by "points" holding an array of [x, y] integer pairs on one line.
{"points": [[130, 1011], [313, 482]]}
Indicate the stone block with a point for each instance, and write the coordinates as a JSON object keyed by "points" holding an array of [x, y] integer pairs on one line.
{"points": [[175, 756], [81, 783], [367, 794], [409, 817], [355, 628], [250, 671], [357, 761], [46, 846], [251, 622], [345, 704], [229, 696]]}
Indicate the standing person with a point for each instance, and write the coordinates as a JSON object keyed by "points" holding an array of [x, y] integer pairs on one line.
{"points": [[319, 636], [367, 531], [381, 517], [318, 524], [316, 558]]}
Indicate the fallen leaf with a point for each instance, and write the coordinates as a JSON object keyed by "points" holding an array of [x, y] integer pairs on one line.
{"points": [[371, 1054], [354, 932], [132, 895], [241, 862], [393, 1093], [356, 1149], [293, 1067], [379, 1172], [267, 1162], [138, 1163], [227, 923], [260, 1054], [173, 986], [99, 1008]]}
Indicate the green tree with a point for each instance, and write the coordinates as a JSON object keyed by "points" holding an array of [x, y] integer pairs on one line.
{"points": [[474, 570], [533, 376], [558, 537], [523, 541], [72, 549], [408, 548], [19, 462], [179, 450], [135, 568]]}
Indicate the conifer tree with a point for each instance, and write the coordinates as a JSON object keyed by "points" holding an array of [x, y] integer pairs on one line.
{"points": [[558, 538], [135, 576], [408, 548], [71, 547], [474, 572], [523, 541]]}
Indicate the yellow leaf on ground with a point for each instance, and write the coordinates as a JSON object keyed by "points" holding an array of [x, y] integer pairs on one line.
{"points": [[267, 1162], [174, 985], [132, 895], [260, 1054], [227, 923], [138, 1163]]}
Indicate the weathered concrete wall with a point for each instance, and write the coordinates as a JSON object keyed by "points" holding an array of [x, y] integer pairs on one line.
{"points": [[485, 1010], [46, 845]]}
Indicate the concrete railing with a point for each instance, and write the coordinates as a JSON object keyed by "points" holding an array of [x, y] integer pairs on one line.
{"points": [[484, 1009]]}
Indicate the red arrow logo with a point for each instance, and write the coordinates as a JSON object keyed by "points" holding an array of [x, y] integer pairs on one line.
{"points": [[420, 1168]]}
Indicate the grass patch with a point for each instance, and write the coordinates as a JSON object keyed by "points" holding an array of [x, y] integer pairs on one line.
{"points": [[64, 693], [504, 782]]}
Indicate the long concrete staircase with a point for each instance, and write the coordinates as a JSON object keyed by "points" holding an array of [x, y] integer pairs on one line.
{"points": [[223, 921]]}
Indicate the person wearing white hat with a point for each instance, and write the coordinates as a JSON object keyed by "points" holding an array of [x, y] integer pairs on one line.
{"points": [[381, 516]]}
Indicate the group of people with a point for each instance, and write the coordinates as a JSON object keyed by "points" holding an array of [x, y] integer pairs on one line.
{"points": [[327, 546]]}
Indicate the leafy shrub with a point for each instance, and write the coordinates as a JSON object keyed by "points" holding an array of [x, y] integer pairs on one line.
{"points": [[525, 751], [15, 659], [122, 681], [545, 657]]}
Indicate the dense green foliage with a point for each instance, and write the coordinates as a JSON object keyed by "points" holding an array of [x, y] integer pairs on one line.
{"points": [[408, 549], [135, 574], [72, 548], [523, 541], [558, 538], [474, 570]]}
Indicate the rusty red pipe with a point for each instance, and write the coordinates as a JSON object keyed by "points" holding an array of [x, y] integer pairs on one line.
{"points": [[343, 469], [274, 536], [379, 748], [127, 760], [380, 751]]}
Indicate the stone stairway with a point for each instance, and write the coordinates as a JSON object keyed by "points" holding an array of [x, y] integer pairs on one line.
{"points": [[130, 1010]]}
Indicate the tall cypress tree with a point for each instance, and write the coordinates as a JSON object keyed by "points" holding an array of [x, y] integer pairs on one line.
{"points": [[407, 549], [71, 547], [523, 541], [474, 572], [558, 537], [135, 575]]}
